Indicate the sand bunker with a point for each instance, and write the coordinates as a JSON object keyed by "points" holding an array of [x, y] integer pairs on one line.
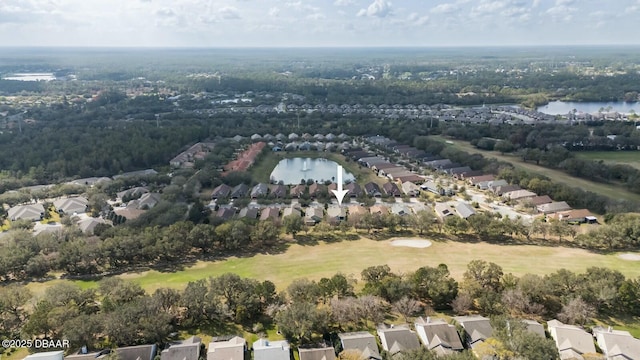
{"points": [[632, 257], [414, 243]]}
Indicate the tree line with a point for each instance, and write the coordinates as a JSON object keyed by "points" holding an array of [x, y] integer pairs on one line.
{"points": [[119, 313]]}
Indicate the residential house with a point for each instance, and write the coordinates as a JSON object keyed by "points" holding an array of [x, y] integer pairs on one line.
{"points": [[617, 344], [140, 352], [576, 216], [477, 329], [145, 202], [87, 225], [431, 186], [336, 213], [225, 213], [464, 210], [443, 210], [90, 181], [48, 355], [363, 342], [493, 185], [231, 349], [264, 349], [391, 189], [534, 327], [410, 189], [438, 336], [400, 209], [397, 339], [379, 209], [457, 170], [313, 215], [133, 193], [270, 213], [572, 342], [239, 191], [354, 189], [372, 189], [467, 174], [316, 189], [518, 195], [323, 353], [553, 207], [248, 213], [291, 211], [503, 189], [538, 200], [188, 349], [147, 172], [278, 191], [410, 177], [221, 191], [260, 190], [475, 180], [32, 212], [357, 209], [256, 137], [332, 186], [297, 190]]}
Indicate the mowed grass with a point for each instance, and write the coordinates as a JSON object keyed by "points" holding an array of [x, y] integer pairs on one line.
{"points": [[351, 257], [609, 190], [631, 158]]}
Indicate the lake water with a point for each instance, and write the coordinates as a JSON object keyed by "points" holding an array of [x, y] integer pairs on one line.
{"points": [[291, 171], [565, 107], [31, 77]]}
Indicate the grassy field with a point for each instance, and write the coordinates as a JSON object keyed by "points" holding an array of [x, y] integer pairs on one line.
{"points": [[609, 190], [261, 171], [631, 158], [351, 257]]}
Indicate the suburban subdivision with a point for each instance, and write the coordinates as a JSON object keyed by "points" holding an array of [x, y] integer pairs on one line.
{"points": [[191, 209]]}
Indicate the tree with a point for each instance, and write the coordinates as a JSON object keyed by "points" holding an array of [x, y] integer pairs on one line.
{"points": [[455, 225], [504, 146], [423, 221], [435, 286], [303, 290], [406, 307], [576, 312], [300, 320], [265, 233], [13, 299], [293, 224], [203, 237]]}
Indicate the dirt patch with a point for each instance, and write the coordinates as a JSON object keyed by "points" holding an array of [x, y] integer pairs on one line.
{"points": [[414, 243]]}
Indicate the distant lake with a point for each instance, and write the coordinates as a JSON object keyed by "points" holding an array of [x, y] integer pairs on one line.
{"points": [[291, 171], [565, 107], [31, 77]]}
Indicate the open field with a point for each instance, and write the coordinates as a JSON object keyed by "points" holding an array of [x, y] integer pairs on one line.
{"points": [[610, 190], [262, 169], [631, 158], [351, 257]]}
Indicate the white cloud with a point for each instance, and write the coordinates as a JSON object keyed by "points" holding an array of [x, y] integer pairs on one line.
{"points": [[274, 12], [378, 8], [228, 13], [445, 8], [416, 19], [343, 2]]}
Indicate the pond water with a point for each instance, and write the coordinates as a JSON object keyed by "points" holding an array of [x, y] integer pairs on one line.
{"points": [[31, 77], [291, 171], [565, 107]]}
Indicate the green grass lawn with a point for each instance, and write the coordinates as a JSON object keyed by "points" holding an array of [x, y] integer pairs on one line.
{"points": [[631, 158], [351, 257], [610, 190]]}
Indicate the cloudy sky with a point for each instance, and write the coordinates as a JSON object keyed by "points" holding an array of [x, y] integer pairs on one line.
{"points": [[309, 23]]}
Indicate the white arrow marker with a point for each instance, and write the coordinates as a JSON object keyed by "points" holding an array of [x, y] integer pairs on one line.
{"points": [[340, 193]]}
